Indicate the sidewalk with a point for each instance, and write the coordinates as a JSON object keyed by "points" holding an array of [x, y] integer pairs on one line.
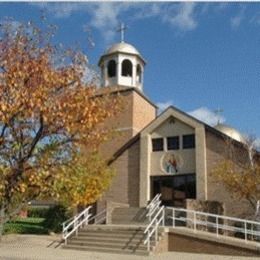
{"points": [[36, 247]]}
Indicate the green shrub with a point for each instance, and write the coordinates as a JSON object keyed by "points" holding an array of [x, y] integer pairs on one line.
{"points": [[37, 212], [25, 226], [55, 217], [50, 219]]}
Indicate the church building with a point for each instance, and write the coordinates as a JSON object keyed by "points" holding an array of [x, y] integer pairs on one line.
{"points": [[171, 153]]}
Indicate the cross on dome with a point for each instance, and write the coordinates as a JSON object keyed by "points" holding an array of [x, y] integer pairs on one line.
{"points": [[218, 114], [122, 30], [122, 64]]}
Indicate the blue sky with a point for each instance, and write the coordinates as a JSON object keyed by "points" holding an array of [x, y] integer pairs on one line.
{"points": [[200, 56]]}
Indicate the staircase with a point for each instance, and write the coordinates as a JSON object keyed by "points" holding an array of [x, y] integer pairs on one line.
{"points": [[133, 230], [121, 239]]}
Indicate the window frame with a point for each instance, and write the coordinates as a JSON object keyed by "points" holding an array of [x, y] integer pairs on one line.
{"points": [[178, 142], [153, 144], [191, 145]]}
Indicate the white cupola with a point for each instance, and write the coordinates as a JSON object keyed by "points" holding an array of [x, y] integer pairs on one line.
{"points": [[122, 65]]}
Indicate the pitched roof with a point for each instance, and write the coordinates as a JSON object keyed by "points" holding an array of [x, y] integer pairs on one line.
{"points": [[123, 148], [209, 128]]}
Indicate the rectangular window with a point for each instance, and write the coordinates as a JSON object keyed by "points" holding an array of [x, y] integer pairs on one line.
{"points": [[173, 143], [188, 141], [157, 144]]}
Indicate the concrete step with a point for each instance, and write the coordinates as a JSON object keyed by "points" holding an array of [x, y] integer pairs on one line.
{"points": [[113, 227], [108, 239], [129, 222], [109, 231], [107, 250], [113, 235], [123, 239], [111, 244]]}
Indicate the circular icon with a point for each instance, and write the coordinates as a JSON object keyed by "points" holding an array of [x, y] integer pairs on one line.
{"points": [[171, 163]]}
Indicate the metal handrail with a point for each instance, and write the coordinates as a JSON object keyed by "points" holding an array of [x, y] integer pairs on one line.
{"points": [[154, 219], [156, 206], [66, 221], [76, 223], [154, 200], [249, 227], [154, 226], [82, 218], [153, 206], [215, 215]]}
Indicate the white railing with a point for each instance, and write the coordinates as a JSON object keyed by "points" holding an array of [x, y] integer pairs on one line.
{"points": [[155, 214], [71, 226], [153, 227], [218, 224], [66, 222], [153, 206]]}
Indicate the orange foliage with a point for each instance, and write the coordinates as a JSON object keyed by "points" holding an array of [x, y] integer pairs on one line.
{"points": [[48, 114], [241, 179]]}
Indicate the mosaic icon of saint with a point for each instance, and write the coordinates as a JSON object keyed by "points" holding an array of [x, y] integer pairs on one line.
{"points": [[171, 165]]}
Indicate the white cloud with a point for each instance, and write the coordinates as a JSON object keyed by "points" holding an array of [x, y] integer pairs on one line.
{"points": [[257, 144], [163, 105], [60, 10], [182, 16], [106, 16], [66, 9], [236, 20], [207, 116]]}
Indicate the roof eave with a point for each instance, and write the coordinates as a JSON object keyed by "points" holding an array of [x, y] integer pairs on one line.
{"points": [[117, 52]]}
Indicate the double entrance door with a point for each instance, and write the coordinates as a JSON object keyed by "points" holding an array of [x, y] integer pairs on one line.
{"points": [[174, 189]]}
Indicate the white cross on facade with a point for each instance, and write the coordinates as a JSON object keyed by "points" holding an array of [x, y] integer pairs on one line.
{"points": [[122, 30]]}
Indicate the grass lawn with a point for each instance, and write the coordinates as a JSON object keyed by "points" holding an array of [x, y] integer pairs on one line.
{"points": [[26, 226]]}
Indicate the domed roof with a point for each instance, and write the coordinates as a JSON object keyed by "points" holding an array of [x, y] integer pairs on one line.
{"points": [[230, 131], [122, 47]]}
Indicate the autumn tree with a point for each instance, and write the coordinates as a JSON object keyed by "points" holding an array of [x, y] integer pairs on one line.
{"points": [[240, 172], [51, 122]]}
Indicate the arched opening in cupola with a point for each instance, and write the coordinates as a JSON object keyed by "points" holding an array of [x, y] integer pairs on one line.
{"points": [[127, 68], [111, 69], [138, 74]]}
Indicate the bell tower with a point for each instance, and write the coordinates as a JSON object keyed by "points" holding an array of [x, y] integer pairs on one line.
{"points": [[122, 65], [122, 68]]}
